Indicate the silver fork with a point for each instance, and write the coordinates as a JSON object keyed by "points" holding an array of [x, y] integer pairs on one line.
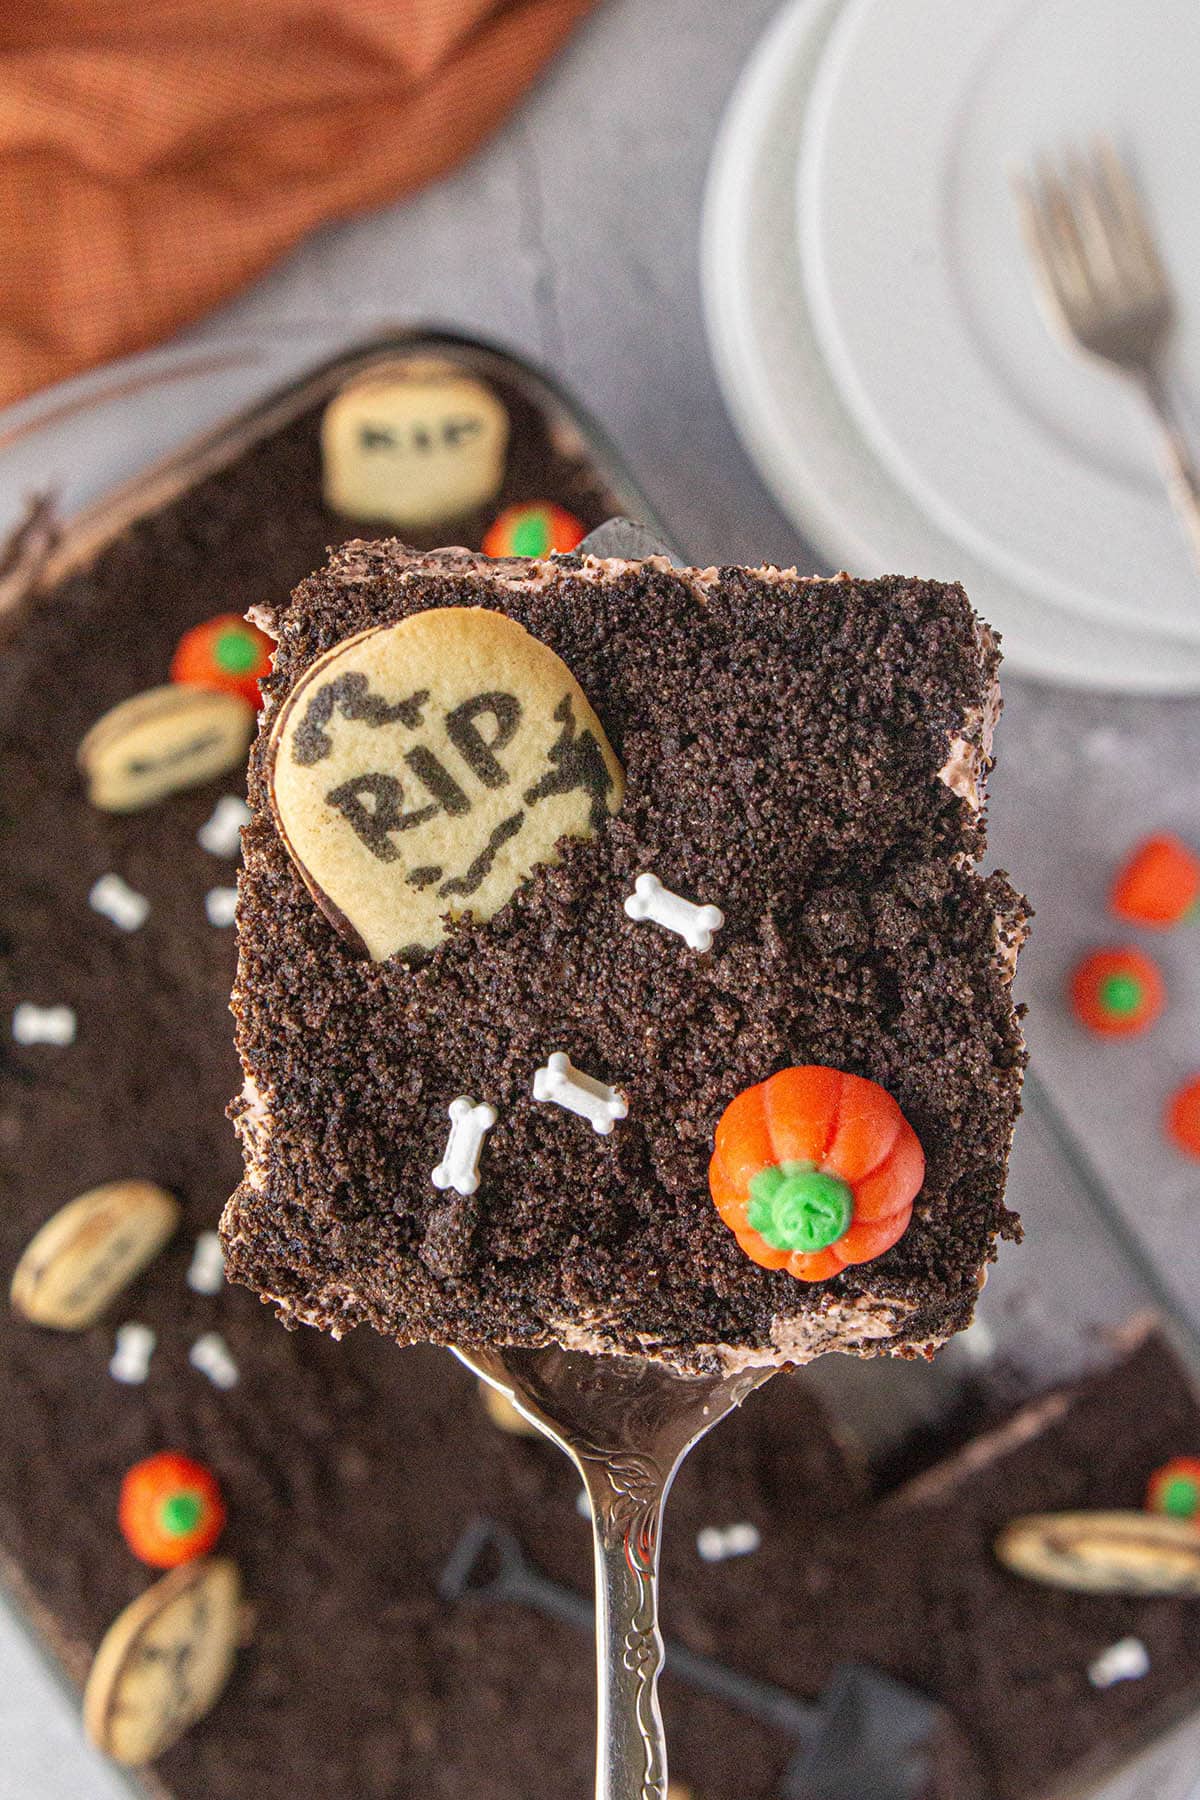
{"points": [[1104, 285]]}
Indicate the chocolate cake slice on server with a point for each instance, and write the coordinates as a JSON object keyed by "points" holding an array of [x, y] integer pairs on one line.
{"points": [[615, 969]]}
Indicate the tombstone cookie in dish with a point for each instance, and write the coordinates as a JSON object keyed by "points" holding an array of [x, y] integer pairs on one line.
{"points": [[157, 743], [798, 764], [414, 444]]}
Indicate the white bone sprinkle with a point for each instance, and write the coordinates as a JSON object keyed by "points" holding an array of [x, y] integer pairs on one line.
{"points": [[469, 1124], [206, 1271], [1126, 1660], [593, 1100], [43, 1024], [221, 835], [210, 1354], [694, 924], [717, 1543], [220, 904], [130, 1361], [119, 902]]}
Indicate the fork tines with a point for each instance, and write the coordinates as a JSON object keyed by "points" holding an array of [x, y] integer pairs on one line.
{"points": [[1094, 253]]}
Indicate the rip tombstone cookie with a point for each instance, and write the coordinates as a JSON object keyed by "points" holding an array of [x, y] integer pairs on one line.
{"points": [[424, 769], [603, 929], [415, 445], [74, 1267], [164, 1661], [162, 741]]}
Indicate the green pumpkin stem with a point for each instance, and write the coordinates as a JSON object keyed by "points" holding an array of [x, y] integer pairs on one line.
{"points": [[795, 1207]]}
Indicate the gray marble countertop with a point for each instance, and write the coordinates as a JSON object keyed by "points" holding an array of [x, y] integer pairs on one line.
{"points": [[573, 238]]}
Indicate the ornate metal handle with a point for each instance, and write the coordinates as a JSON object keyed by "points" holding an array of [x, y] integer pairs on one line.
{"points": [[628, 1424], [627, 1495]]}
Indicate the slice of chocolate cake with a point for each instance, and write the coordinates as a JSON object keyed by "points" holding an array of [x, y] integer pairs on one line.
{"points": [[559, 868]]}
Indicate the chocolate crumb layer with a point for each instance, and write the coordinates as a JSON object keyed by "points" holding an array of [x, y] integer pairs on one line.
{"points": [[1010, 1657], [808, 755]]}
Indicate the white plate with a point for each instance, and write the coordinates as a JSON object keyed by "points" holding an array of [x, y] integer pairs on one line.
{"points": [[792, 419], [1038, 462]]}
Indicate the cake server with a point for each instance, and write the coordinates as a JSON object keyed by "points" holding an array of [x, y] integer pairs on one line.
{"points": [[625, 538], [627, 1423]]}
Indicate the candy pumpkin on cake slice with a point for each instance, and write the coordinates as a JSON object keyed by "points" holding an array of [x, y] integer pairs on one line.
{"points": [[615, 969], [815, 1170]]}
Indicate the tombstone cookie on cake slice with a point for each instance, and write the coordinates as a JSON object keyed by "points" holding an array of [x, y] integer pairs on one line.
{"points": [[615, 969]]}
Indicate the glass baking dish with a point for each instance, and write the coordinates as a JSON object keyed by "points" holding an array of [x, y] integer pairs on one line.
{"points": [[1052, 1307]]}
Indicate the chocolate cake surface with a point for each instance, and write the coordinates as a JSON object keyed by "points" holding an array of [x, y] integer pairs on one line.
{"points": [[809, 756], [1013, 1660]]}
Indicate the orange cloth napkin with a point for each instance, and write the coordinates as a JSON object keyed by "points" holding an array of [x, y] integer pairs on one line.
{"points": [[155, 157]]}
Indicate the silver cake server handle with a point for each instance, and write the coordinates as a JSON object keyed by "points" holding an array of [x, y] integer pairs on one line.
{"points": [[627, 1424], [867, 1733]]}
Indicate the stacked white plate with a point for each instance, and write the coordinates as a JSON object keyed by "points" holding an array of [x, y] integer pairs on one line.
{"points": [[875, 330]]}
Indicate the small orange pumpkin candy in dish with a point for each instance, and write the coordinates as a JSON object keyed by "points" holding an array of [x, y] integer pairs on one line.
{"points": [[539, 528], [1159, 883], [814, 1170], [170, 1510], [1183, 1117], [1117, 993], [1175, 1489], [226, 653]]}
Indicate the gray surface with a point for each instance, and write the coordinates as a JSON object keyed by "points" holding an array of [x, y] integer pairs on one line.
{"points": [[573, 238]]}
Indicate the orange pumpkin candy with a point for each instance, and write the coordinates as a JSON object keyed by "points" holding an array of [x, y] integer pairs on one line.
{"points": [[1159, 882], [1183, 1117], [538, 528], [814, 1170], [226, 653], [1117, 993], [1175, 1488], [170, 1509]]}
